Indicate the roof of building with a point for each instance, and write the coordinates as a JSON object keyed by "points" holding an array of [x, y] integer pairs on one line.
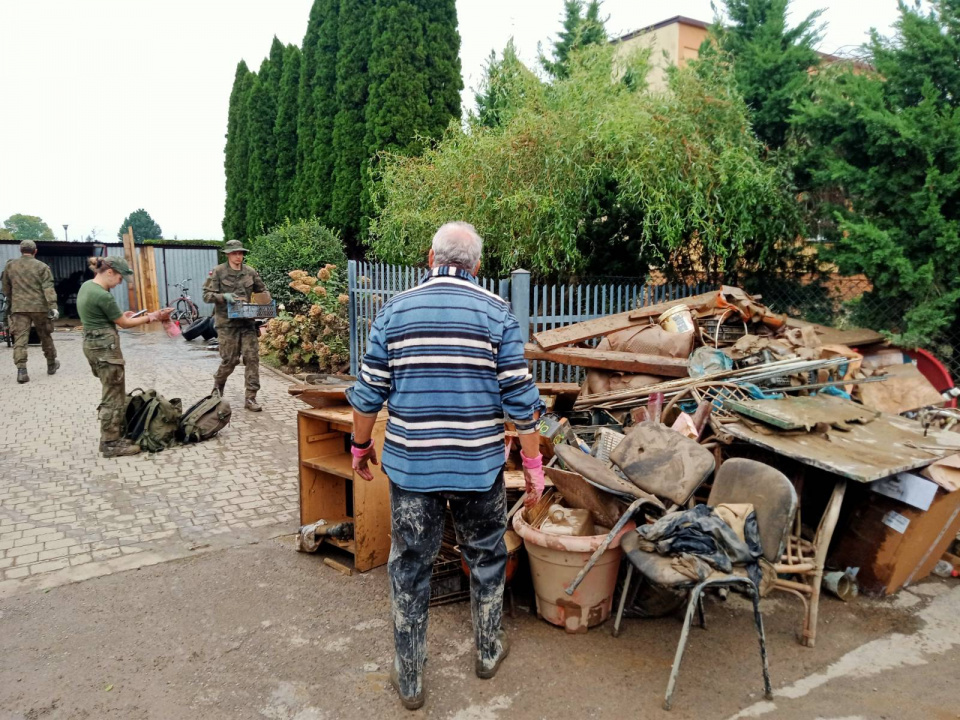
{"points": [[677, 19]]}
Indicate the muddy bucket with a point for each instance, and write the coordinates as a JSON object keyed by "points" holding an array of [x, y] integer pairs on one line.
{"points": [[555, 561], [677, 319]]}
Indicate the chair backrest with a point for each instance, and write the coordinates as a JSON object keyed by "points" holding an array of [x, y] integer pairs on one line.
{"points": [[772, 495]]}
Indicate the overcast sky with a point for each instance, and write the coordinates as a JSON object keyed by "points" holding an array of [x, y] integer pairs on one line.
{"points": [[107, 106]]}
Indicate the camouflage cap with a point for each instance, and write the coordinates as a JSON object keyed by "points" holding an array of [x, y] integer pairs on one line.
{"points": [[28, 246], [118, 264], [234, 246]]}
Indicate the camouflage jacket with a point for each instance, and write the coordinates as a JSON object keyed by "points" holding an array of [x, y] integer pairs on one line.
{"points": [[28, 283], [243, 283]]}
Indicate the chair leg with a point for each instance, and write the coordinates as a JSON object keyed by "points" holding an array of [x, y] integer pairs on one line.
{"points": [[623, 599], [681, 646], [758, 621], [700, 614]]}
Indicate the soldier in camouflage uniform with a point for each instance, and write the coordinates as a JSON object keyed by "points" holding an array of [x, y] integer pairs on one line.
{"points": [[233, 280], [28, 285]]}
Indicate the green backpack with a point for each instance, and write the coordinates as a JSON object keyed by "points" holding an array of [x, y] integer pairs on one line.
{"points": [[152, 421], [205, 418]]}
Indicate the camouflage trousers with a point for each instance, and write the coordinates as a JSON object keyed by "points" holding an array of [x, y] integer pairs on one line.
{"points": [[20, 327], [234, 343], [102, 350], [416, 533]]}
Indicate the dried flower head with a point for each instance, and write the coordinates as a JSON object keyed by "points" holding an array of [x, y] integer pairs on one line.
{"points": [[315, 311], [324, 274], [343, 298], [320, 290]]}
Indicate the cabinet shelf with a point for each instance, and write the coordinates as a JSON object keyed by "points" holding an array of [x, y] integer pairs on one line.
{"points": [[339, 465]]}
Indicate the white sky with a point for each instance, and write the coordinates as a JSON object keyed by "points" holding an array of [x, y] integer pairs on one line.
{"points": [[107, 106]]}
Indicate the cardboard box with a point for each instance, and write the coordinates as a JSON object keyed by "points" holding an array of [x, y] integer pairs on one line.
{"points": [[893, 544]]}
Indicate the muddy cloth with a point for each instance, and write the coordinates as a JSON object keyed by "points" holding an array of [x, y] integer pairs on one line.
{"points": [[417, 519], [703, 534]]}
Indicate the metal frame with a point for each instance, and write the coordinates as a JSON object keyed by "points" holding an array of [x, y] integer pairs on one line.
{"points": [[696, 604]]}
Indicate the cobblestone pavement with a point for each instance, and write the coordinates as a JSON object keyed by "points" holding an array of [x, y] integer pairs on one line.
{"points": [[66, 513]]}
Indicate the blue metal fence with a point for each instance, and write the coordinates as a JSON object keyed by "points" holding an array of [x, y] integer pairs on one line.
{"points": [[537, 307]]}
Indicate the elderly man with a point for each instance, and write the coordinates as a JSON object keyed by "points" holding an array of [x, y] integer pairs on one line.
{"points": [[447, 357], [235, 280], [28, 285]]}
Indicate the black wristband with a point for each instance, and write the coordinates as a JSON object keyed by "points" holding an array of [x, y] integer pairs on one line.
{"points": [[360, 446]]}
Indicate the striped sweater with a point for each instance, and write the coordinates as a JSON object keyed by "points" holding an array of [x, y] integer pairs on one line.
{"points": [[447, 357]]}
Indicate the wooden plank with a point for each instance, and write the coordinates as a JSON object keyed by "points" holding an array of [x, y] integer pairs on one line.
{"points": [[338, 566], [610, 360], [128, 253], [371, 508], [853, 337], [864, 453], [148, 274], [558, 337], [561, 388]]}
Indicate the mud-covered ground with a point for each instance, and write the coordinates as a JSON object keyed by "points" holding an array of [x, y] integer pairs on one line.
{"points": [[261, 631]]}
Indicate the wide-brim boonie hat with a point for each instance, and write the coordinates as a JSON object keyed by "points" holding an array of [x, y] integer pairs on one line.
{"points": [[234, 246]]}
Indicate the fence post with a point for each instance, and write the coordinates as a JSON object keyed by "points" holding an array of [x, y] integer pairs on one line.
{"points": [[505, 289], [352, 305], [520, 299]]}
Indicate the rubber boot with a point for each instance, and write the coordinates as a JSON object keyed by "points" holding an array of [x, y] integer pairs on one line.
{"points": [[487, 673], [52, 367], [251, 404], [410, 702], [119, 448], [22, 376]]}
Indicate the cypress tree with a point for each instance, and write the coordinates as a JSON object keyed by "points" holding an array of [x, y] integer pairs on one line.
{"points": [[236, 155], [443, 79], [285, 133], [316, 109], [306, 127], [262, 206], [349, 125], [581, 27], [325, 109], [403, 74], [274, 69]]}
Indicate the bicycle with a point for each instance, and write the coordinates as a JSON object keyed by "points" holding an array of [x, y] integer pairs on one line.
{"points": [[185, 310]]}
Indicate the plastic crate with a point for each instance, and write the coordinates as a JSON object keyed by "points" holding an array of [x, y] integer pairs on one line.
{"points": [[238, 309]]}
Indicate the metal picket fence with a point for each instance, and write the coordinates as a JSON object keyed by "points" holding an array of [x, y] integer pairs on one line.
{"points": [[536, 306]]}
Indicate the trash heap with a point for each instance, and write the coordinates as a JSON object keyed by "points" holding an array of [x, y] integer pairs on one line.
{"points": [[674, 390]]}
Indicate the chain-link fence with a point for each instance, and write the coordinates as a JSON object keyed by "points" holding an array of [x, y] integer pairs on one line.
{"points": [[841, 302]]}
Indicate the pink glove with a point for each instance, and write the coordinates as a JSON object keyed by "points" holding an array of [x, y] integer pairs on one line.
{"points": [[533, 476], [361, 456]]}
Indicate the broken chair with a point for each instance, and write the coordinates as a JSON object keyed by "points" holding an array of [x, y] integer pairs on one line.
{"points": [[738, 480]]}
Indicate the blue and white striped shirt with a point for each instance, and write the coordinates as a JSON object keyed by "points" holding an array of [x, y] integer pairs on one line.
{"points": [[447, 356]]}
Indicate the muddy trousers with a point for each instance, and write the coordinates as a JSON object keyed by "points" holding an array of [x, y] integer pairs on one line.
{"points": [[102, 350], [234, 342], [20, 327], [417, 520]]}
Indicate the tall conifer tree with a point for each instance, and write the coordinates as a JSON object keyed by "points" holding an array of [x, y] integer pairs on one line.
{"points": [[349, 126], [285, 133], [325, 109], [306, 114], [262, 113], [443, 79], [237, 155]]}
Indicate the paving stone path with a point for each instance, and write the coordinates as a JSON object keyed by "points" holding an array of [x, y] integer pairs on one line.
{"points": [[67, 513]]}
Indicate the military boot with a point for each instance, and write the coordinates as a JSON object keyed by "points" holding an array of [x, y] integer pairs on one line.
{"points": [[119, 448], [22, 376], [52, 367], [251, 404]]}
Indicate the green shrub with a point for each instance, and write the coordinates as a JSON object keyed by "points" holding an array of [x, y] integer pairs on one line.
{"points": [[305, 245]]}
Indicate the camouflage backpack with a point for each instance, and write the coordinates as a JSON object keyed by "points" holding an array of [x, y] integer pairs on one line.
{"points": [[152, 420], [205, 418]]}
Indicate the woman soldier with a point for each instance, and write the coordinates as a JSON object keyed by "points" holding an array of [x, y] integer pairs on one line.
{"points": [[101, 316]]}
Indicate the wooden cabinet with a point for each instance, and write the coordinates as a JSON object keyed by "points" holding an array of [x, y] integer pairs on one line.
{"points": [[330, 491]]}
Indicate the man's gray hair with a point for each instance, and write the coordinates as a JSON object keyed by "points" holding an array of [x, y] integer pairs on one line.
{"points": [[457, 243]]}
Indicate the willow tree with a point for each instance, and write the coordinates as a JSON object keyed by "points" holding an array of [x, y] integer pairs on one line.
{"points": [[589, 174]]}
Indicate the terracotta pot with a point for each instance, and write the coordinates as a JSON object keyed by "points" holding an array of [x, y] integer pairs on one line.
{"points": [[555, 560]]}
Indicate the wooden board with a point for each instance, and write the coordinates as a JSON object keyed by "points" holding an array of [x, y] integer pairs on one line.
{"points": [[371, 502], [129, 253], [610, 360], [578, 332], [886, 446], [904, 389], [853, 337], [558, 388], [795, 413]]}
